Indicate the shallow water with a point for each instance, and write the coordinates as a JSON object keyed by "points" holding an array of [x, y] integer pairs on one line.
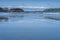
{"points": [[29, 26]]}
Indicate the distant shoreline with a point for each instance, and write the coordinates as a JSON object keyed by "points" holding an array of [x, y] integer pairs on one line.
{"points": [[52, 10], [21, 10], [11, 10]]}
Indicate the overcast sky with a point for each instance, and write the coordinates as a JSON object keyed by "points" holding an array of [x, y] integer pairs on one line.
{"points": [[30, 3]]}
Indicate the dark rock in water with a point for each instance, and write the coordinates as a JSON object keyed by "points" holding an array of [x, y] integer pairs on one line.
{"points": [[16, 10]]}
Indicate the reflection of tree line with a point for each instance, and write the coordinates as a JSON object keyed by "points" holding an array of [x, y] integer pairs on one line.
{"points": [[16, 15], [3, 18]]}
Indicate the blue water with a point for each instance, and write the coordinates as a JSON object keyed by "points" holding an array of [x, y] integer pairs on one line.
{"points": [[29, 26]]}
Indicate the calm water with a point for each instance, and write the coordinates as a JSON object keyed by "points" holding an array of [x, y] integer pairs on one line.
{"points": [[29, 26]]}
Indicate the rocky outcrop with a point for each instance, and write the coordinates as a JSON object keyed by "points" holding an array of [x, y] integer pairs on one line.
{"points": [[11, 10], [16, 10]]}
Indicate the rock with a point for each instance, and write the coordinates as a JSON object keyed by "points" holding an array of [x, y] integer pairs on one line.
{"points": [[16, 10]]}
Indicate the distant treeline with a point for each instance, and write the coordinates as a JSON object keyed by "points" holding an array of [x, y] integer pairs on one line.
{"points": [[11, 10], [52, 10]]}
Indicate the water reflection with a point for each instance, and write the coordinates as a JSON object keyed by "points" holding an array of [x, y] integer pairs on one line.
{"points": [[31, 29], [24, 16], [28, 16], [53, 16], [3, 18]]}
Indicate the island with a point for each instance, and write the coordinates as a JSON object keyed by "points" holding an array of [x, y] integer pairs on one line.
{"points": [[52, 10], [16, 10], [11, 10]]}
